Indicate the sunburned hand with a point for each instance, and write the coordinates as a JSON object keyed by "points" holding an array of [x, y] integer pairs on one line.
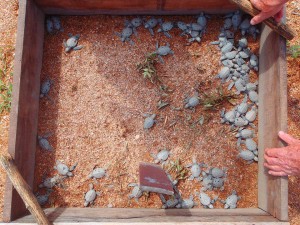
{"points": [[286, 160], [268, 8]]}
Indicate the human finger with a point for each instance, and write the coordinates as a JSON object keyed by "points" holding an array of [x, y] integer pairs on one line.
{"points": [[273, 167], [279, 174], [261, 17], [278, 16], [275, 152], [272, 160], [258, 4], [289, 139]]}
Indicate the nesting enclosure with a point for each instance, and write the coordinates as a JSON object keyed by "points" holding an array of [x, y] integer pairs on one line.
{"points": [[272, 192]]}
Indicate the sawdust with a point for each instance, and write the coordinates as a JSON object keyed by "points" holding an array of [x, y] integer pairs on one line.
{"points": [[99, 101]]}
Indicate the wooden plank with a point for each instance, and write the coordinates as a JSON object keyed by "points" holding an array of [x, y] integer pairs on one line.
{"points": [[273, 191], [88, 7], [23, 189], [153, 216], [190, 6], [24, 111]]}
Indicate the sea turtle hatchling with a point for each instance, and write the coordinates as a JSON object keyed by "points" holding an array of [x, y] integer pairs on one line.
{"points": [[90, 196], [136, 192], [236, 20], [202, 20], [253, 96], [50, 182], [172, 202], [244, 133], [228, 117], [45, 88], [247, 155], [163, 51], [161, 156], [187, 203], [149, 121], [244, 26], [125, 35], [195, 170], [250, 144], [207, 182], [251, 115], [206, 201], [98, 173], [72, 42], [44, 143], [43, 199], [150, 24], [192, 102], [134, 24], [165, 27], [224, 74], [63, 169], [231, 201]]}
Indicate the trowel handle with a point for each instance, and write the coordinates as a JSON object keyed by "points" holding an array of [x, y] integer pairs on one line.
{"points": [[282, 29]]}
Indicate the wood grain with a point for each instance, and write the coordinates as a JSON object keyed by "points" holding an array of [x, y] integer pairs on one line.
{"points": [[24, 110], [154, 216], [23, 190], [272, 191], [163, 7], [282, 29]]}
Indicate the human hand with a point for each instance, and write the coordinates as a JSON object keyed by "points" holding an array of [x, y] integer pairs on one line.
{"points": [[286, 160], [268, 8]]}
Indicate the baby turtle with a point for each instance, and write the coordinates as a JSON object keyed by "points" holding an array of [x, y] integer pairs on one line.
{"points": [[228, 117], [72, 42], [206, 201], [165, 27], [227, 23], [224, 74], [63, 169], [195, 170], [183, 26], [253, 96], [43, 199], [247, 155], [236, 20], [149, 121], [163, 51], [50, 182], [90, 196], [188, 203], [207, 182], [98, 173], [150, 24], [251, 115], [244, 26], [192, 102], [202, 19], [245, 133], [161, 156], [45, 88], [136, 192], [56, 23], [242, 108], [125, 35], [44, 143], [172, 202], [134, 23], [49, 26], [231, 201]]}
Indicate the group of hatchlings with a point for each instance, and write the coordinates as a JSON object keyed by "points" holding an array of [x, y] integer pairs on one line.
{"points": [[237, 61]]}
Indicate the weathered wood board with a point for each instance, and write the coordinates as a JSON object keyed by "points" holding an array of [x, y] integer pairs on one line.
{"points": [[25, 102], [134, 7], [273, 191]]}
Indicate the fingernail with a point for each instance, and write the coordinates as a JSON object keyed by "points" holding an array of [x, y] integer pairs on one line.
{"points": [[280, 132], [252, 22]]}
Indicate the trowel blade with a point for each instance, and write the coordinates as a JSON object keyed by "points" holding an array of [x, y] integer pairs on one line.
{"points": [[154, 179]]}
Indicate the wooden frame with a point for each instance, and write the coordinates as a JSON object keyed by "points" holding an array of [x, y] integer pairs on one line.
{"points": [[272, 195]]}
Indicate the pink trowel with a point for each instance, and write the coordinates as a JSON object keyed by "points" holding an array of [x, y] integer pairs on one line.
{"points": [[154, 179]]}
